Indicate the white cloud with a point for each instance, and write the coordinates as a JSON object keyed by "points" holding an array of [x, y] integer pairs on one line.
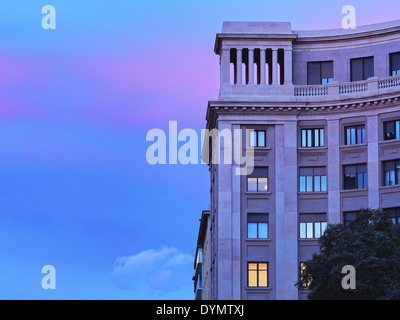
{"points": [[160, 272]]}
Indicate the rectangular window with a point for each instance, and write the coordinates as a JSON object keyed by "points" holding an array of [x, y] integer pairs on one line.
{"points": [[362, 68], [258, 138], [312, 138], [355, 177], [391, 173], [395, 64], [257, 274], [319, 72], [313, 179], [257, 226], [349, 216], [312, 226], [258, 180], [303, 275], [355, 135], [391, 130], [394, 214]]}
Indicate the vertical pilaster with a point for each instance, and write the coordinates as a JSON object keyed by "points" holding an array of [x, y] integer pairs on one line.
{"points": [[286, 212], [225, 72], [224, 222], [288, 67], [373, 162], [333, 171]]}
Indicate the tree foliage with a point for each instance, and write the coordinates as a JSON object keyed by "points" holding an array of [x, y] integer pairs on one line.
{"points": [[370, 243]]}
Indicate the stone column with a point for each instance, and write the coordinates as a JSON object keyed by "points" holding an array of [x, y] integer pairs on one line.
{"points": [[239, 66], [274, 66], [251, 66], [262, 66]]}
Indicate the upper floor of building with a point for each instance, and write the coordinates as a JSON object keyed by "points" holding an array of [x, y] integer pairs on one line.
{"points": [[270, 61]]}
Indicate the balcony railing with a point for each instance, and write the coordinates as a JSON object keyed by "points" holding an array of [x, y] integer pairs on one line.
{"points": [[310, 91], [303, 93], [338, 90]]}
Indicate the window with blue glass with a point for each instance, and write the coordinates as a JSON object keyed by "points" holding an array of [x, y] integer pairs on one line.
{"points": [[319, 72], [391, 130], [258, 138], [312, 226], [355, 135], [313, 179], [395, 64], [355, 177], [391, 172], [257, 226], [311, 138]]}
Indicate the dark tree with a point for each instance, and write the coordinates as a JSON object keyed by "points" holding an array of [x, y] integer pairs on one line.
{"points": [[371, 244]]}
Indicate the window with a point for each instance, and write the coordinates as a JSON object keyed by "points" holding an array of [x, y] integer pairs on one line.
{"points": [[395, 64], [312, 226], [257, 138], [355, 135], [391, 130], [391, 173], [257, 226], [312, 138], [319, 72], [258, 180], [303, 275], [362, 69], [355, 177], [257, 274], [313, 179], [349, 216], [394, 214]]}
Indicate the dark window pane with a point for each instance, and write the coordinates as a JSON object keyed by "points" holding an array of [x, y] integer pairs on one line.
{"points": [[368, 68], [390, 132], [306, 171], [320, 171], [251, 217], [327, 70], [395, 64], [313, 73], [357, 70]]}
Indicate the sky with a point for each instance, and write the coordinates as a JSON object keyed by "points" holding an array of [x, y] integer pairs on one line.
{"points": [[76, 104]]}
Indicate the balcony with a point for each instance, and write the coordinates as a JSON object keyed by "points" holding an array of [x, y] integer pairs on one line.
{"points": [[337, 91], [333, 91]]}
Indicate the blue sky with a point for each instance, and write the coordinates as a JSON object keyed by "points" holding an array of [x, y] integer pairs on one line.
{"points": [[76, 103]]}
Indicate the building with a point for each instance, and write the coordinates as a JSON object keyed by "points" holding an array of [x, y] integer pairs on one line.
{"points": [[324, 114], [201, 277]]}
